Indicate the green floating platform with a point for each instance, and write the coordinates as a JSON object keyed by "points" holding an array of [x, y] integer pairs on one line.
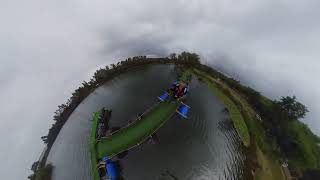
{"points": [[136, 132]]}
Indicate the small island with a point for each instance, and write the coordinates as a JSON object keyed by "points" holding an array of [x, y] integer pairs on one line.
{"points": [[276, 143]]}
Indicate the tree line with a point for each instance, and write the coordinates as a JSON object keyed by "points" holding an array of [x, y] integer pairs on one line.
{"points": [[103, 75]]}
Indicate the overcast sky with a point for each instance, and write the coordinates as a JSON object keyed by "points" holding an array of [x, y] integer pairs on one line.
{"points": [[48, 47]]}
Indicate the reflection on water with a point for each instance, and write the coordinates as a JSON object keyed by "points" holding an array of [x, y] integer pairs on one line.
{"points": [[205, 146]]}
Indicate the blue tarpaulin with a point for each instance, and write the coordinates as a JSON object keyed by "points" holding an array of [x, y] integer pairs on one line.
{"points": [[164, 96], [183, 110], [111, 169]]}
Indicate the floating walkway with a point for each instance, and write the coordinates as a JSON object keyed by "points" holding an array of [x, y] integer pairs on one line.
{"points": [[136, 132], [103, 149]]}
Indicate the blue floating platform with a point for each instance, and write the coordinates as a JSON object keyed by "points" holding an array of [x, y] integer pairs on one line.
{"points": [[164, 96], [183, 110], [111, 169]]}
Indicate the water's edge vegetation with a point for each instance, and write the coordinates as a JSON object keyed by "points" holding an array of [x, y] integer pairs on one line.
{"points": [[269, 129], [93, 151], [224, 95]]}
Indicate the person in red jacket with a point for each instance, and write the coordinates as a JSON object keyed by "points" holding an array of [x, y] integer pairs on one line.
{"points": [[179, 89]]}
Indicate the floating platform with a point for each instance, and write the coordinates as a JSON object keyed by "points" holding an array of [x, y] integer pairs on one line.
{"points": [[104, 147], [130, 136], [100, 119], [183, 110], [136, 132]]}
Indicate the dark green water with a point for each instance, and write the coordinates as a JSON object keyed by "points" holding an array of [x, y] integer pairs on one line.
{"points": [[204, 146]]}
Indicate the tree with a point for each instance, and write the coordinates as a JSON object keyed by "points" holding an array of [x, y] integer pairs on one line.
{"points": [[44, 139], [34, 166], [189, 58], [291, 109], [173, 56]]}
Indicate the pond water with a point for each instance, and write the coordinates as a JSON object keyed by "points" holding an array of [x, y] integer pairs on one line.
{"points": [[205, 146]]}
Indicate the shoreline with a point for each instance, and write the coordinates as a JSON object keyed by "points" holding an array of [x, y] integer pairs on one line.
{"points": [[262, 162], [115, 70], [242, 119]]}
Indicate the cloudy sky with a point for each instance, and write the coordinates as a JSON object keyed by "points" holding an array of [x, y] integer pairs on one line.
{"points": [[48, 47]]}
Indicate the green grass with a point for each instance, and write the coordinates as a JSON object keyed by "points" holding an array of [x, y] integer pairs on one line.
{"points": [[267, 103], [307, 155], [254, 126], [270, 168], [247, 126], [186, 73], [93, 151], [138, 131], [234, 112], [44, 173]]}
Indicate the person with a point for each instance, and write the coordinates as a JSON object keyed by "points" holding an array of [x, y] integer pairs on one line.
{"points": [[174, 86], [181, 90], [101, 164], [178, 89]]}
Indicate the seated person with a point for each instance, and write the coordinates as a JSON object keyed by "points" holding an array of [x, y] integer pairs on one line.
{"points": [[178, 89], [174, 86]]}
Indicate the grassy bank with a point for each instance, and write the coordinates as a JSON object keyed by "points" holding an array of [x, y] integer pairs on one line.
{"points": [[249, 128], [269, 167], [93, 144], [233, 110], [307, 155], [42, 173], [138, 131]]}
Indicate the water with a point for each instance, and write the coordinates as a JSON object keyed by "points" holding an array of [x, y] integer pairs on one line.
{"points": [[202, 147]]}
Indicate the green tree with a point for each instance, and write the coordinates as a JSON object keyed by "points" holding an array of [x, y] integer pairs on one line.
{"points": [[173, 56], [189, 58], [35, 166], [44, 139], [291, 109]]}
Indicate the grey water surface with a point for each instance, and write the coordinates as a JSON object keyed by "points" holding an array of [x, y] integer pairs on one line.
{"points": [[205, 146]]}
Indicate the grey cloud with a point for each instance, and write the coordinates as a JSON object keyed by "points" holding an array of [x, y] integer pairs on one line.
{"points": [[49, 47]]}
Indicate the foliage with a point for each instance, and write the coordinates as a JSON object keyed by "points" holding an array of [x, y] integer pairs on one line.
{"points": [[270, 168], [291, 109], [189, 59], [258, 151], [277, 118], [93, 152], [307, 153], [42, 173]]}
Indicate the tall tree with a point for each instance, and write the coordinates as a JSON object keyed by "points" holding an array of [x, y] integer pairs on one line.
{"points": [[292, 109]]}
